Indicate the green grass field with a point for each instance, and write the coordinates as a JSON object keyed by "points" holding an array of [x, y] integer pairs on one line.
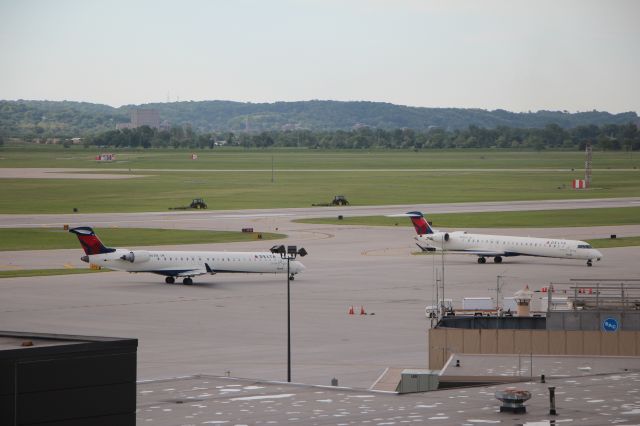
{"points": [[305, 159], [241, 179], [49, 238]]}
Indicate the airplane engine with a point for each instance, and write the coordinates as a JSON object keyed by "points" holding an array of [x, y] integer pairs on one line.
{"points": [[139, 256], [440, 237]]}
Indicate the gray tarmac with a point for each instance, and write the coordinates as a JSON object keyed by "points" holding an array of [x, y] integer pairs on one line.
{"points": [[235, 325]]}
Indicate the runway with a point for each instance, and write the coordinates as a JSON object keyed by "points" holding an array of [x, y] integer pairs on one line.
{"points": [[236, 324], [193, 218]]}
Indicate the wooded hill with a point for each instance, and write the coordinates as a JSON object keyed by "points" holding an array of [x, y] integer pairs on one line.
{"points": [[78, 119]]}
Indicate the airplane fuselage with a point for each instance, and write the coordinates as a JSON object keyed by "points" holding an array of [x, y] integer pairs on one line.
{"points": [[501, 245], [191, 263]]}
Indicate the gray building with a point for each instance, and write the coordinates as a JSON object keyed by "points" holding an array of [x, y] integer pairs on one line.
{"points": [[142, 117]]}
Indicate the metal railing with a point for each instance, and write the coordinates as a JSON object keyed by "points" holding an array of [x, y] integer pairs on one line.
{"points": [[588, 294]]}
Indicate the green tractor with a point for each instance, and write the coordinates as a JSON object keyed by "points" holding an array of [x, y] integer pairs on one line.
{"points": [[198, 203], [340, 200]]}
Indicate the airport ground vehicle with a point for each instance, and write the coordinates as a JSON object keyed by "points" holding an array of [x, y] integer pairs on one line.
{"points": [[198, 203], [431, 311], [340, 200]]}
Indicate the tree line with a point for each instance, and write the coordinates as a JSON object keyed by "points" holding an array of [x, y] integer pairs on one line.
{"points": [[66, 119], [605, 137]]}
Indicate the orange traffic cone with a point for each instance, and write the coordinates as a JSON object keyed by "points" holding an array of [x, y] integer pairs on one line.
{"points": [[351, 310], [362, 312]]}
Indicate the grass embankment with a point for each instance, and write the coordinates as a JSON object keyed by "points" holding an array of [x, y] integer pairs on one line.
{"points": [[49, 238], [526, 219], [516, 219], [615, 242], [242, 179]]}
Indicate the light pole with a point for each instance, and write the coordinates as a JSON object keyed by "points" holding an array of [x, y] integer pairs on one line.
{"points": [[289, 253]]}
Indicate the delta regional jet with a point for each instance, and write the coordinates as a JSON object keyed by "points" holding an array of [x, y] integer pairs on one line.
{"points": [[181, 264], [497, 246]]}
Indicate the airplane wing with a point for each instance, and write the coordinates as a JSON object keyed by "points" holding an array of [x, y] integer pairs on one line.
{"points": [[487, 253], [178, 273], [192, 273]]}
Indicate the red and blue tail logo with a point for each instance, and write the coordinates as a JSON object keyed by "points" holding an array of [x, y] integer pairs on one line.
{"points": [[89, 241], [420, 223]]}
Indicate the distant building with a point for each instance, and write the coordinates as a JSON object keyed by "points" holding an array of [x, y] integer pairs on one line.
{"points": [[143, 117], [120, 126]]}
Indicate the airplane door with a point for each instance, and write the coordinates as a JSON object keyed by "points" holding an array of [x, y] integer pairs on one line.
{"points": [[281, 264], [570, 252]]}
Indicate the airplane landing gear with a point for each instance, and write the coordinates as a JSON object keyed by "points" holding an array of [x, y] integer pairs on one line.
{"points": [[292, 277], [169, 280], [589, 263], [497, 259], [482, 260], [187, 281]]}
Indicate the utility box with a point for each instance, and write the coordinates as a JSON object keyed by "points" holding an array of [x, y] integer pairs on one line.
{"points": [[412, 381], [558, 303], [509, 304]]}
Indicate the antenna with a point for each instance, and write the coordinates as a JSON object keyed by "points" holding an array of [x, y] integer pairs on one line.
{"points": [[587, 166]]}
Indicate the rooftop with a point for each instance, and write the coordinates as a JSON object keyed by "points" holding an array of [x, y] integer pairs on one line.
{"points": [[197, 400]]}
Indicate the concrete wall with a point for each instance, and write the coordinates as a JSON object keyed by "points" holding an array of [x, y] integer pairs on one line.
{"points": [[592, 320], [443, 342]]}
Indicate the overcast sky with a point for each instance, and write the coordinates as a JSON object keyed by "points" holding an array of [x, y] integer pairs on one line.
{"points": [[574, 55]]}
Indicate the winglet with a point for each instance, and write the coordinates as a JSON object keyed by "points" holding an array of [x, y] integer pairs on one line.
{"points": [[208, 268]]}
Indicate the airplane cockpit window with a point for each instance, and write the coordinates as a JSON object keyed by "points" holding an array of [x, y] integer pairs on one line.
{"points": [[584, 246]]}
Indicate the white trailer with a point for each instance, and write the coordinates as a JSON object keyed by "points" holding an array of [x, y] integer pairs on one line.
{"points": [[478, 304], [431, 311]]}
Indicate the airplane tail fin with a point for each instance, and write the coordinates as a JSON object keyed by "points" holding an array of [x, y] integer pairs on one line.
{"points": [[420, 223], [89, 241]]}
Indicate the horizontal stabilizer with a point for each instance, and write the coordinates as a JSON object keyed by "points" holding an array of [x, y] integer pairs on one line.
{"points": [[410, 214], [426, 247]]}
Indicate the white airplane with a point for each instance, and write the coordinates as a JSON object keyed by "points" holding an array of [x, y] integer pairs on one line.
{"points": [[183, 264], [497, 246]]}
